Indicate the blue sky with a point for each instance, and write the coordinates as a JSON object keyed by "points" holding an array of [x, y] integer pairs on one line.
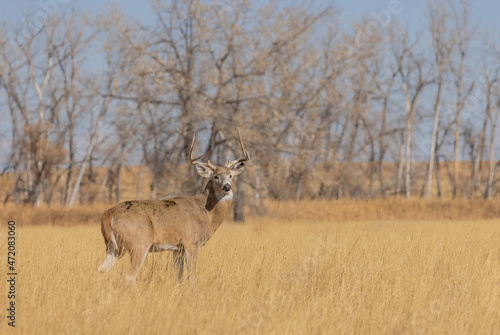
{"points": [[408, 11], [12, 9], [412, 11]]}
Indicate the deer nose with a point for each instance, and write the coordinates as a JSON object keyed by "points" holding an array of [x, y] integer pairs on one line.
{"points": [[226, 188]]}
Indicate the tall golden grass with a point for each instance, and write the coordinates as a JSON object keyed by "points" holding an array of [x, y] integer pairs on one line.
{"points": [[304, 210], [297, 274], [384, 209]]}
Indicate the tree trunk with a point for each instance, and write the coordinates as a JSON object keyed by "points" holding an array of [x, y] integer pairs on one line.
{"points": [[71, 153], [456, 166], [401, 160], [409, 140], [382, 147], [93, 142], [491, 172], [239, 201], [482, 138], [433, 149], [438, 177]]}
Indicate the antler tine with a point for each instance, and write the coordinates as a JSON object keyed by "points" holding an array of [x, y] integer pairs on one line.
{"points": [[246, 155], [193, 143], [210, 165]]}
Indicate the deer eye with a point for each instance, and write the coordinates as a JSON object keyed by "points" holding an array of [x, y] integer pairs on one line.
{"points": [[230, 176], [216, 178]]}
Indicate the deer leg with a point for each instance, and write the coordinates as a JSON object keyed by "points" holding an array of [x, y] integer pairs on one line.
{"points": [[191, 258], [112, 255], [179, 256], [137, 257], [108, 263]]}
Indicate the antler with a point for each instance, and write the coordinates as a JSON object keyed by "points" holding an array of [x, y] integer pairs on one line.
{"points": [[246, 155], [210, 165], [194, 160], [193, 143]]}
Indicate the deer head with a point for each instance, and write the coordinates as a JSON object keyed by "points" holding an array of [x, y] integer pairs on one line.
{"points": [[220, 176]]}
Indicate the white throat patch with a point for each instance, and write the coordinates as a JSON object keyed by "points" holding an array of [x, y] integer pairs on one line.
{"points": [[225, 197]]}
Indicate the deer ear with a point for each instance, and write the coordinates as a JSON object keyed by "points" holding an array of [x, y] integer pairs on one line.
{"points": [[204, 170], [238, 168]]}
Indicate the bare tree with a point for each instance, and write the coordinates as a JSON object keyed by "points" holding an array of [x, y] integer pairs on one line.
{"points": [[491, 81], [343, 110], [493, 117], [414, 76], [463, 32], [442, 41], [31, 59], [489, 191]]}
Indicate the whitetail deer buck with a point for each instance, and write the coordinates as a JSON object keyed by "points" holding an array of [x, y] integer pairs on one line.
{"points": [[181, 224]]}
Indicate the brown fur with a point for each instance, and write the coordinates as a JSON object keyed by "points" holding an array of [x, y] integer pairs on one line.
{"points": [[183, 222], [181, 225]]}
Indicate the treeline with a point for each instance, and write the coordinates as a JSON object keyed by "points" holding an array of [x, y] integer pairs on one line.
{"points": [[327, 110]]}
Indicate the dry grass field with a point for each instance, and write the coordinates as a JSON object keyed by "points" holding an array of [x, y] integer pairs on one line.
{"points": [[282, 274]]}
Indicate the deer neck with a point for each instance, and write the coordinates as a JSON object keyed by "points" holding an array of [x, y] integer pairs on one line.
{"points": [[218, 205]]}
